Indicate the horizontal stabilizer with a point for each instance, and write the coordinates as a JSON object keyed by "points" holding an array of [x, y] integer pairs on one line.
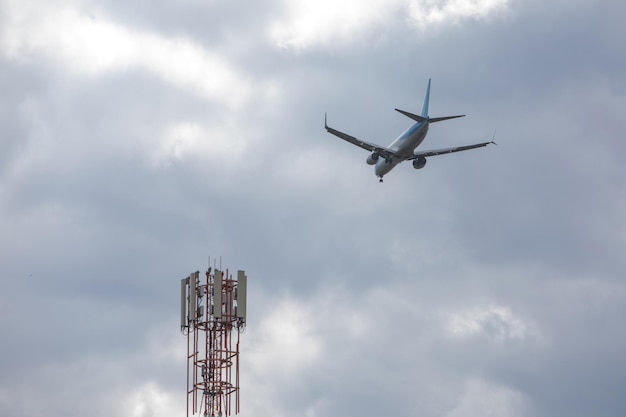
{"points": [[412, 116], [439, 119], [420, 119]]}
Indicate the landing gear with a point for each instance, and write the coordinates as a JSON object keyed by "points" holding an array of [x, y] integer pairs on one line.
{"points": [[380, 179]]}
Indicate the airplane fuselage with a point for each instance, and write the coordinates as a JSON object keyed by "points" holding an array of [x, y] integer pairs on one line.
{"points": [[403, 146]]}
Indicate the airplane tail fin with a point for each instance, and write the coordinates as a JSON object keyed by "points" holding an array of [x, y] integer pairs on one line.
{"points": [[424, 116], [426, 99]]}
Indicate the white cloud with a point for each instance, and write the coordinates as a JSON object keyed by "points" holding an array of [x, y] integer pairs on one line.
{"points": [[308, 22], [489, 400], [495, 322], [427, 12], [182, 139], [73, 40], [286, 337], [150, 400]]}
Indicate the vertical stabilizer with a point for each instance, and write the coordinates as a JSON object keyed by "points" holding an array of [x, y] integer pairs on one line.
{"points": [[425, 107]]}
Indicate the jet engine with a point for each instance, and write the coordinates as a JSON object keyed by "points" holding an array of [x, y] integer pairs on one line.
{"points": [[418, 163], [372, 159]]}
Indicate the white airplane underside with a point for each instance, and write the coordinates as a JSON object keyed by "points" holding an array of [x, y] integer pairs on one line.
{"points": [[403, 148]]}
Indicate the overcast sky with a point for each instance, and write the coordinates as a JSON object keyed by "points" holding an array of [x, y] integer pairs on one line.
{"points": [[139, 138]]}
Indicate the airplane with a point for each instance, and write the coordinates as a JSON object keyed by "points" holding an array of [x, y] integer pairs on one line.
{"points": [[403, 148]]}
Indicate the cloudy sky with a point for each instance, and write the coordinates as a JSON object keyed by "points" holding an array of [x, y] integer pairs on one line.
{"points": [[140, 138]]}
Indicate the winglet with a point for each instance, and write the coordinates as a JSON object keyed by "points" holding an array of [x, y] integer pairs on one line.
{"points": [[325, 123], [493, 138]]}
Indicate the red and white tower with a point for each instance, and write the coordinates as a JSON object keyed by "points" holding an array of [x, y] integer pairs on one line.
{"points": [[212, 316]]}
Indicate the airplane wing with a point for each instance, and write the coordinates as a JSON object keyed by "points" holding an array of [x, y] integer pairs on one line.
{"points": [[380, 150], [444, 151]]}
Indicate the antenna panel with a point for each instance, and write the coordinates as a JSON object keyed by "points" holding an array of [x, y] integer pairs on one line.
{"points": [[217, 296], [183, 302], [242, 284], [192, 295]]}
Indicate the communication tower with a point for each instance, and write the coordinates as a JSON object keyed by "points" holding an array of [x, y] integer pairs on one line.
{"points": [[212, 316]]}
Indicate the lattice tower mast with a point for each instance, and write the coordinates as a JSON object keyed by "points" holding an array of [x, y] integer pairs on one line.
{"points": [[212, 316]]}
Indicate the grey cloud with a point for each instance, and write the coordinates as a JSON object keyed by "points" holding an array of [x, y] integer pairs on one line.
{"points": [[95, 235]]}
